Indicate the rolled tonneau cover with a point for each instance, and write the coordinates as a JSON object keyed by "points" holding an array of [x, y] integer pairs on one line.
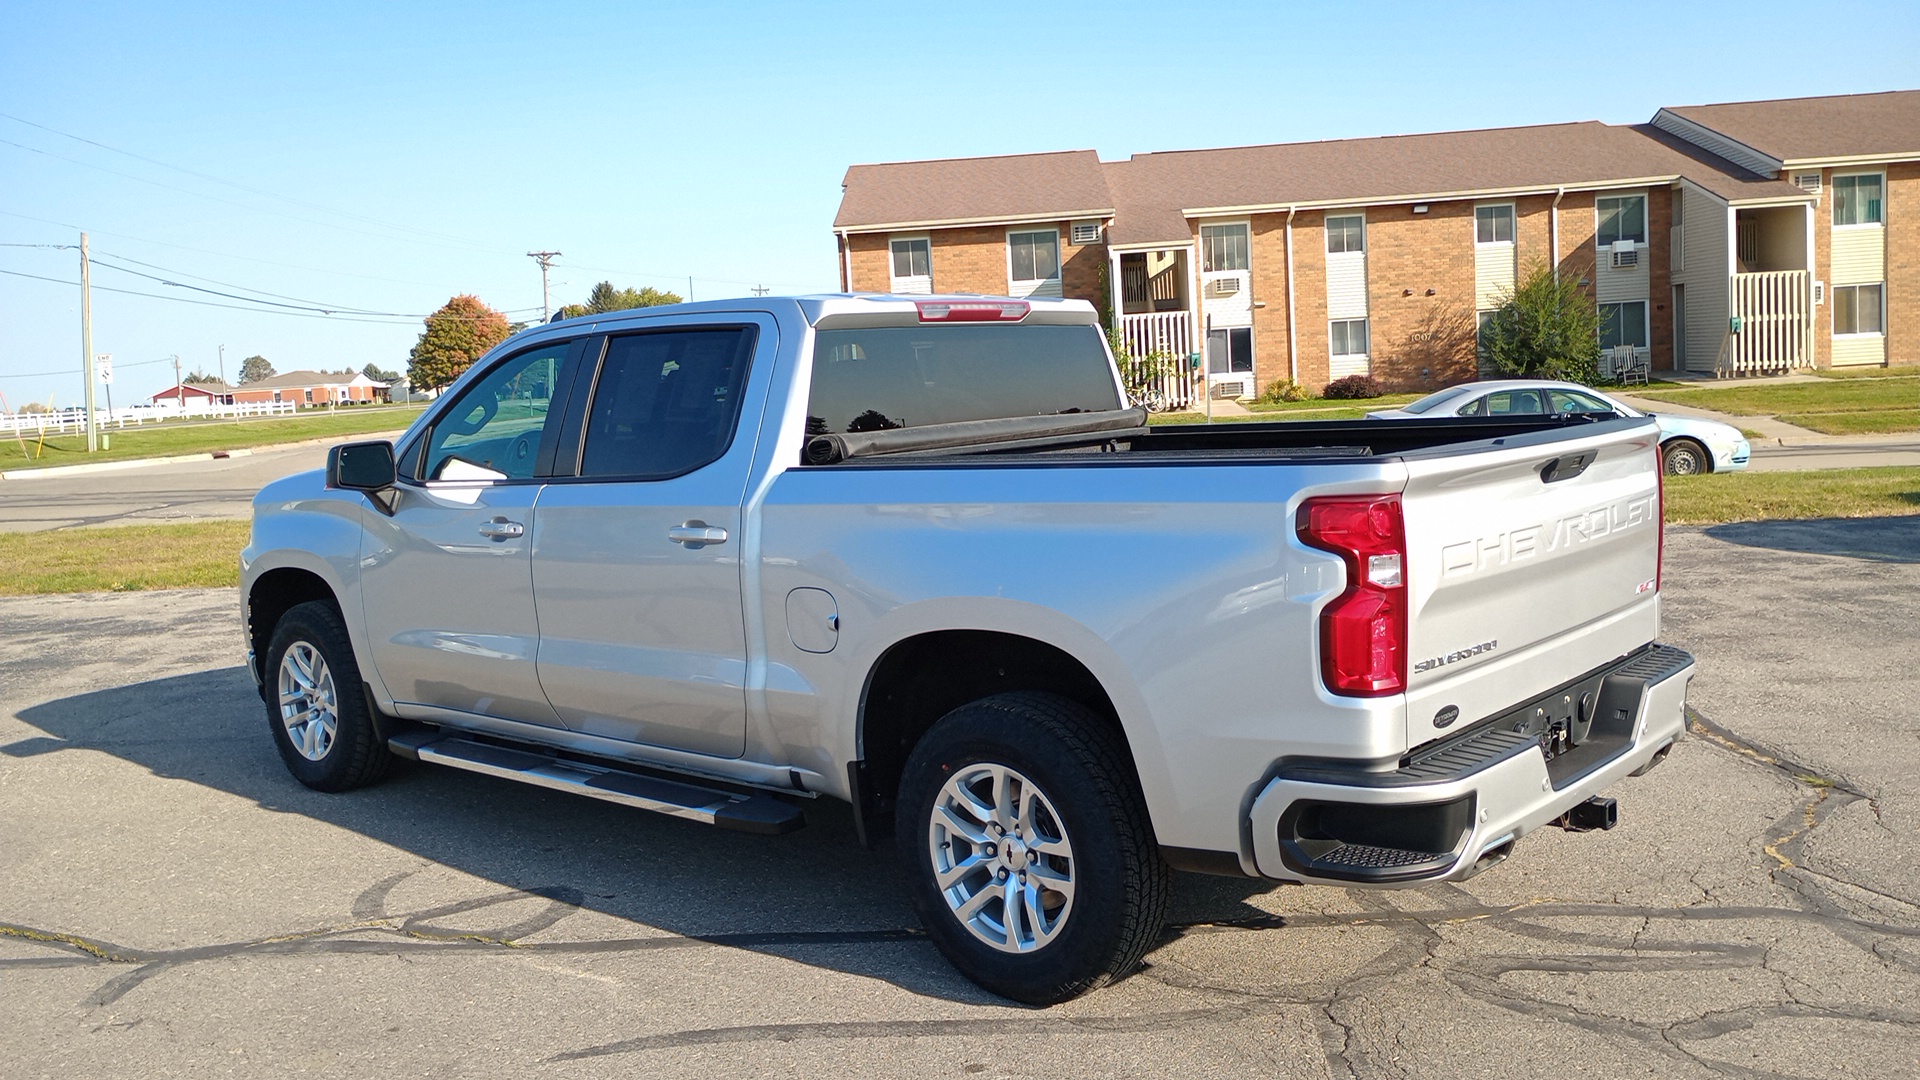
{"points": [[828, 449]]}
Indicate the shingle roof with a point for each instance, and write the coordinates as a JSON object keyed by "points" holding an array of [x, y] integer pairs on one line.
{"points": [[300, 378], [1813, 128], [1151, 195], [974, 189]]}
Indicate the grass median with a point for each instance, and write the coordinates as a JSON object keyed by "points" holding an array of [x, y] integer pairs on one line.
{"points": [[1856, 405], [171, 437], [206, 554]]}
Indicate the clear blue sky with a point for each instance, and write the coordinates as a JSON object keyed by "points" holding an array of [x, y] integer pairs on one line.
{"points": [[385, 156]]}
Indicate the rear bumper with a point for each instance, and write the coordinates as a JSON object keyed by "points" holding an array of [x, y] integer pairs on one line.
{"points": [[1456, 807]]}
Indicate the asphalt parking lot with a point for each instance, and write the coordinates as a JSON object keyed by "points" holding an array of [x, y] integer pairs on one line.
{"points": [[173, 904]]}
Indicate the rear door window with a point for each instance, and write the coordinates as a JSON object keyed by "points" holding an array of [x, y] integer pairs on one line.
{"points": [[666, 403], [911, 376]]}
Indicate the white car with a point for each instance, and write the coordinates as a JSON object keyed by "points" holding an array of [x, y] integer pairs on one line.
{"points": [[1688, 444]]}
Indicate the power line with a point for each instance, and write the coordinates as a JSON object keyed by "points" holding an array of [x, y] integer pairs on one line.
{"points": [[64, 371], [231, 184], [400, 321]]}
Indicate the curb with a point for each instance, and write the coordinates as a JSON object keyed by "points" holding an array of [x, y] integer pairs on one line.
{"points": [[211, 455]]}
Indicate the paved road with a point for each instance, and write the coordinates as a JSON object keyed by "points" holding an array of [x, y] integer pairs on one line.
{"points": [[1801, 455], [173, 904], [154, 494]]}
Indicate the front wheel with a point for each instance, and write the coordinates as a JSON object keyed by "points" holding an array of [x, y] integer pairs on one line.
{"points": [[328, 735], [1684, 457], [1027, 848]]}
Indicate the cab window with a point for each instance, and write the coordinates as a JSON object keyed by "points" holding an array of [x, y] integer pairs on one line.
{"points": [[495, 429], [666, 403]]}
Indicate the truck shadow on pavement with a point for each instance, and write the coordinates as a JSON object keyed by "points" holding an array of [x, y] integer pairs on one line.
{"points": [[1881, 539], [815, 896]]}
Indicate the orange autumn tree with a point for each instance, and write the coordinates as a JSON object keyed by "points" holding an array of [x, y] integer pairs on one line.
{"points": [[458, 334]]}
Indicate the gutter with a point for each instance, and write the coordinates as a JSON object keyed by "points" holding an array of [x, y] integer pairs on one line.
{"points": [[846, 260], [1553, 217], [1293, 341]]}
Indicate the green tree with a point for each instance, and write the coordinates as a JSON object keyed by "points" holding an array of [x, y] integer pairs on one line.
{"points": [[201, 378], [605, 298], [380, 374], [255, 368], [1546, 328], [458, 334]]}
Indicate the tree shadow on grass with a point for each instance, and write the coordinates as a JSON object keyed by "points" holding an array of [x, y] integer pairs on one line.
{"points": [[815, 896]]}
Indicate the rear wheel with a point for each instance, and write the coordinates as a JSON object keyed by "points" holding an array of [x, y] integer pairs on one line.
{"points": [[329, 737], [1027, 848], [1684, 457]]}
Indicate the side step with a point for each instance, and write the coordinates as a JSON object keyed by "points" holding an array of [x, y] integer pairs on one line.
{"points": [[754, 813]]}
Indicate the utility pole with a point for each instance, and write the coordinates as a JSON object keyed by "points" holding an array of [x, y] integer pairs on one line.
{"points": [[179, 388], [223, 383], [545, 259], [761, 290], [86, 342]]}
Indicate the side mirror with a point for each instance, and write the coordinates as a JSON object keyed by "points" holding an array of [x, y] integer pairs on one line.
{"points": [[362, 466]]}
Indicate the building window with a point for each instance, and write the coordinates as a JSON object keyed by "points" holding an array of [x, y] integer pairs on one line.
{"points": [[1349, 337], [1856, 199], [1859, 309], [1493, 224], [1223, 247], [1230, 350], [1623, 324], [1346, 234], [1622, 217], [1481, 351], [912, 258], [1035, 255]]}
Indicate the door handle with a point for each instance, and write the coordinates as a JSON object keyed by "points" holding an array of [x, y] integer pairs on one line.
{"points": [[502, 529], [697, 534]]}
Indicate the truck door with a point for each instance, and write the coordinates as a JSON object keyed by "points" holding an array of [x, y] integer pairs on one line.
{"points": [[637, 554], [447, 583]]}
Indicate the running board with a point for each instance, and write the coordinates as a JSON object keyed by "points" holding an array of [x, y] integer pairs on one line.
{"points": [[754, 813]]}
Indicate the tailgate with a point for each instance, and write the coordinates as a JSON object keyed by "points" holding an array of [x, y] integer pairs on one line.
{"points": [[1528, 564]]}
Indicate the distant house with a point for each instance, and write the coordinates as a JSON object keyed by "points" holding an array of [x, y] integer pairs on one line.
{"points": [[309, 388], [190, 394], [1728, 239]]}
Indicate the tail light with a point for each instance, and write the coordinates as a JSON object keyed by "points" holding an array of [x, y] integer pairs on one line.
{"points": [[1363, 632], [971, 310]]}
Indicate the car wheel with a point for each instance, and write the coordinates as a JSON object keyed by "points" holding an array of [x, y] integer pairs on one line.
{"points": [[1684, 457], [327, 733], [1027, 848]]}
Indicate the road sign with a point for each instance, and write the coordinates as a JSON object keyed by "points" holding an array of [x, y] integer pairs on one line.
{"points": [[103, 366]]}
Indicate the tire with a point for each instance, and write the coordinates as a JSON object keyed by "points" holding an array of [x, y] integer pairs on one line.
{"points": [[1684, 457], [1097, 896], [327, 733]]}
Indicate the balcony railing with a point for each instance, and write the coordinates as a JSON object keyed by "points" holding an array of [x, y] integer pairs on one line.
{"points": [[1774, 320], [1161, 344]]}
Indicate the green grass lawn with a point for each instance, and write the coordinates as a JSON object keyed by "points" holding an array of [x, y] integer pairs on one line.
{"points": [[1867, 373], [122, 558], [1824, 493], [1856, 405], [199, 437]]}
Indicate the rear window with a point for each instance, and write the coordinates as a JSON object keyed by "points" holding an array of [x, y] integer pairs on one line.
{"points": [[1435, 400], [912, 376]]}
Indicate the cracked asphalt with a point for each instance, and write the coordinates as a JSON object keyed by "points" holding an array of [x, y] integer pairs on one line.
{"points": [[173, 904]]}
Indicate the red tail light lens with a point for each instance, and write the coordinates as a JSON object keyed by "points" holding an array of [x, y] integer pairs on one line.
{"points": [[1363, 632], [971, 310]]}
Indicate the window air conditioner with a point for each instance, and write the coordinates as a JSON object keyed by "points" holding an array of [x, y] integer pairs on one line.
{"points": [[1808, 182], [1086, 232], [1625, 259]]}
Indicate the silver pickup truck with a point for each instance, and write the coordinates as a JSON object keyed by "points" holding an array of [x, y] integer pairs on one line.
{"points": [[719, 559]]}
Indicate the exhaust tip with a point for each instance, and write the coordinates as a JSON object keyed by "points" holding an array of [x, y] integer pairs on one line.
{"points": [[1598, 812]]}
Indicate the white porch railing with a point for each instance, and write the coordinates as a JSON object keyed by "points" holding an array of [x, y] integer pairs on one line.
{"points": [[1772, 307], [1161, 344]]}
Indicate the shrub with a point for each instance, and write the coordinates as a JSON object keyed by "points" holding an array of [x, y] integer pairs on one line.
{"points": [[1280, 390], [1547, 328], [1351, 387]]}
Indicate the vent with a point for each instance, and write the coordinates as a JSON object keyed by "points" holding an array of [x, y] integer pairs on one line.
{"points": [[1626, 260], [1819, 293], [1085, 232], [1808, 182]]}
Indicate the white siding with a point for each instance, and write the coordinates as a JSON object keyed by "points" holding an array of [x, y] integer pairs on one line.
{"points": [[1852, 349], [1706, 274], [1858, 255], [1050, 288], [1493, 274], [1611, 286], [1347, 285], [1343, 366]]}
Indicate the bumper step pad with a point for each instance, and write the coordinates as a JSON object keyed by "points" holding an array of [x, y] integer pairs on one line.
{"points": [[739, 811]]}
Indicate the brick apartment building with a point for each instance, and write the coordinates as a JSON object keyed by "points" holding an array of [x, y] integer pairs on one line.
{"points": [[1728, 239]]}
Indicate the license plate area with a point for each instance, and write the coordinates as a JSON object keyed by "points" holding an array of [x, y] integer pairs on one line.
{"points": [[1581, 726]]}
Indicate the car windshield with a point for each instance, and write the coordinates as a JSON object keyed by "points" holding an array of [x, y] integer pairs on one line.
{"points": [[1435, 400]]}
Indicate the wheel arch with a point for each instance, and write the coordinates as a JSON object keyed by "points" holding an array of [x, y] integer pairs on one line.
{"points": [[271, 595]]}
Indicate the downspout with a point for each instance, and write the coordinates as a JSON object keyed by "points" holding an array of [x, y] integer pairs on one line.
{"points": [[846, 260], [1553, 215], [1293, 342]]}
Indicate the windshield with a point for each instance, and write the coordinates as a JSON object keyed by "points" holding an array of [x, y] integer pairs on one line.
{"points": [[889, 377], [1435, 400]]}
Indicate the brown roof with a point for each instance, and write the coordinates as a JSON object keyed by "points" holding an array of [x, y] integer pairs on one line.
{"points": [[974, 189], [300, 379], [1799, 129], [1150, 196]]}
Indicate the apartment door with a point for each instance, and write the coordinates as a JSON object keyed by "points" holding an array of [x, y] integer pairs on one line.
{"points": [[1680, 328]]}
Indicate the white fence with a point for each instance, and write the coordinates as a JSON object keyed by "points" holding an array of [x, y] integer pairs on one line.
{"points": [[1772, 307], [74, 421]]}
